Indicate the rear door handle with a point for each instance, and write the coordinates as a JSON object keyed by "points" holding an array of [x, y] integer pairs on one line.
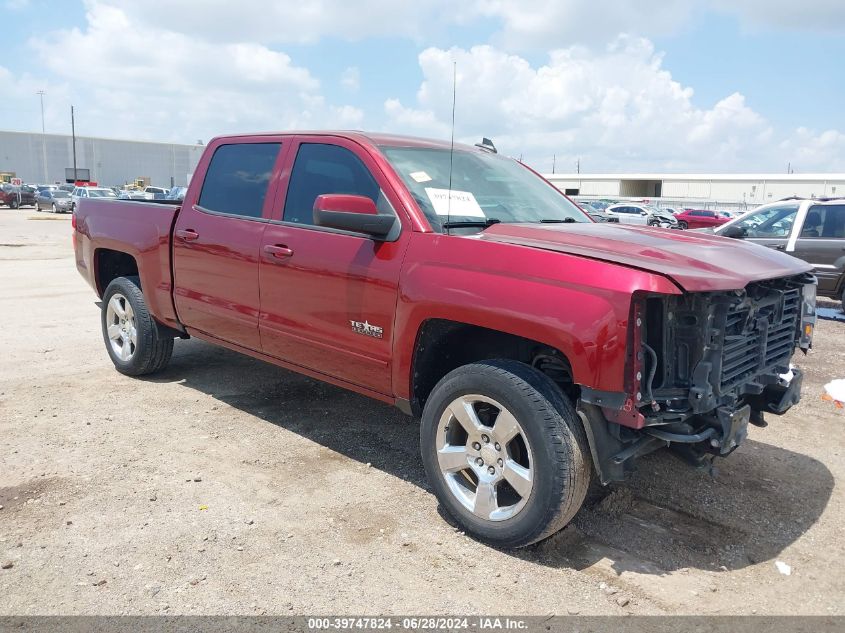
{"points": [[187, 235], [278, 251]]}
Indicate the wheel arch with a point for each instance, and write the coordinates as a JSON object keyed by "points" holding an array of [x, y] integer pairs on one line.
{"points": [[110, 264], [443, 345]]}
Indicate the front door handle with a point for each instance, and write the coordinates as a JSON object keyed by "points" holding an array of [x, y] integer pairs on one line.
{"points": [[781, 247], [187, 235], [278, 251]]}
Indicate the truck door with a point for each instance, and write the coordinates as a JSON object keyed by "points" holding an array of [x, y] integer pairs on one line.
{"points": [[821, 243], [217, 239], [328, 297]]}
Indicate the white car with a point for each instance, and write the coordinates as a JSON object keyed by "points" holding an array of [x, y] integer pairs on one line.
{"points": [[154, 193], [631, 213], [80, 193]]}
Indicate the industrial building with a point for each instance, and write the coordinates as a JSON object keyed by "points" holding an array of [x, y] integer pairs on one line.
{"points": [[722, 191], [48, 158]]}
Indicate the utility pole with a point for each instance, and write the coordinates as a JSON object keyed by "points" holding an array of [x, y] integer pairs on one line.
{"points": [[554, 157], [41, 94], [578, 166], [73, 134]]}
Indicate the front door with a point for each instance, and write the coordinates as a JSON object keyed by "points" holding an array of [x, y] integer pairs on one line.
{"points": [[821, 243], [328, 297], [771, 226], [217, 240]]}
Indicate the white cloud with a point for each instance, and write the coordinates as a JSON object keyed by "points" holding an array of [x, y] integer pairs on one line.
{"points": [[153, 83], [615, 110], [561, 23], [351, 78], [817, 15], [300, 22]]}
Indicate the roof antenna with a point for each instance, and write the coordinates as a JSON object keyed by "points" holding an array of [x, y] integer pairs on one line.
{"points": [[452, 144]]}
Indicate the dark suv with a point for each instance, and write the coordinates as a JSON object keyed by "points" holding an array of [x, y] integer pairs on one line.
{"points": [[15, 197], [809, 229]]}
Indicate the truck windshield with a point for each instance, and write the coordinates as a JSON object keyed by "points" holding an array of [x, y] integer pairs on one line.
{"points": [[486, 188]]}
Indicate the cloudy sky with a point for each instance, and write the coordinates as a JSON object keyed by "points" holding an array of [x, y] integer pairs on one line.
{"points": [[674, 85]]}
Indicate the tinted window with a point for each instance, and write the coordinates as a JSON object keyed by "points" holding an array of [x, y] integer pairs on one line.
{"points": [[320, 169], [237, 178], [826, 222]]}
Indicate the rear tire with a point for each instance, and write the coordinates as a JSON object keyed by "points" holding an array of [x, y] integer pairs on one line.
{"points": [[550, 450], [134, 341]]}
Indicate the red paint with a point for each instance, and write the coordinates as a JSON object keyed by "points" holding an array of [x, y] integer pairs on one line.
{"points": [[346, 203], [701, 218], [295, 295]]}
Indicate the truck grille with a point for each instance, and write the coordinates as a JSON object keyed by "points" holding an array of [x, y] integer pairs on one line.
{"points": [[759, 334]]}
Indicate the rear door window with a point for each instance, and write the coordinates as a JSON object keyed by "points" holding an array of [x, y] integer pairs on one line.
{"points": [[825, 222], [237, 179]]}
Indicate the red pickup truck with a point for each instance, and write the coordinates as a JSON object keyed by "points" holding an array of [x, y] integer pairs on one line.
{"points": [[543, 352]]}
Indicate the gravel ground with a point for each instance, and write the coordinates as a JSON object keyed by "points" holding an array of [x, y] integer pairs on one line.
{"points": [[228, 486]]}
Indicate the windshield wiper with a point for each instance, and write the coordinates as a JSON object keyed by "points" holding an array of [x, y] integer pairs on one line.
{"points": [[557, 221], [469, 224]]}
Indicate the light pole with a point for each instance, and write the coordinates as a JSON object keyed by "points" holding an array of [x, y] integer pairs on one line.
{"points": [[41, 94], [73, 134]]}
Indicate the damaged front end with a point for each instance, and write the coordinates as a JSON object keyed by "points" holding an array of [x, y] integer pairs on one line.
{"points": [[701, 367]]}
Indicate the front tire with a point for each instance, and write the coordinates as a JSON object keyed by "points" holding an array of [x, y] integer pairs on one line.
{"points": [[133, 339], [505, 452], [683, 225], [55, 209], [13, 203]]}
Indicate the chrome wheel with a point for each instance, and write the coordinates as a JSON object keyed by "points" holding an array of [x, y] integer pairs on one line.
{"points": [[484, 457], [120, 327]]}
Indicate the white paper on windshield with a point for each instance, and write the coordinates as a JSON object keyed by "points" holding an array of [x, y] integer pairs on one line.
{"points": [[420, 176], [463, 203]]}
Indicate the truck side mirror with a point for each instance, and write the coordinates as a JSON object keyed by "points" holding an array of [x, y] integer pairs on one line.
{"points": [[352, 213]]}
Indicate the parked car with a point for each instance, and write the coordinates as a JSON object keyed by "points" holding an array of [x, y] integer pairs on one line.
{"points": [[131, 194], [630, 213], [40, 188], [540, 349], [17, 196], [82, 193], [177, 193], [155, 193], [57, 201], [810, 229], [700, 219], [67, 187]]}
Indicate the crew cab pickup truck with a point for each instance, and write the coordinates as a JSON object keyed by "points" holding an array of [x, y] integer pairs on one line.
{"points": [[542, 351]]}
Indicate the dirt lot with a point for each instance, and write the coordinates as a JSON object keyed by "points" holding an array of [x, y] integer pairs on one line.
{"points": [[229, 486]]}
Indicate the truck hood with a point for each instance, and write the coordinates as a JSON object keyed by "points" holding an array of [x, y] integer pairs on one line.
{"points": [[695, 261]]}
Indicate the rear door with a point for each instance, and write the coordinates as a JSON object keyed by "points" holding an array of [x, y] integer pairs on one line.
{"points": [[821, 242], [329, 305], [217, 238]]}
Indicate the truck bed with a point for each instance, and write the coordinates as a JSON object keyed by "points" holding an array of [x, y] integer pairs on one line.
{"points": [[139, 228]]}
